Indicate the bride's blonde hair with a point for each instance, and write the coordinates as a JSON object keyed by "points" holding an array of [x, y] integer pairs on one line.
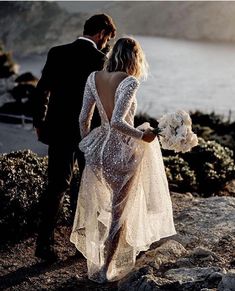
{"points": [[127, 56]]}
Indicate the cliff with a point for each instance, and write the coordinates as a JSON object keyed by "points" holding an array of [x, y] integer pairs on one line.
{"points": [[33, 27]]}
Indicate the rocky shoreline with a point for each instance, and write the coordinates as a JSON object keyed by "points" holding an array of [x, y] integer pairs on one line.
{"points": [[199, 257]]}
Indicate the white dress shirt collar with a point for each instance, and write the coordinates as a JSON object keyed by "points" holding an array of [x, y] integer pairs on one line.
{"points": [[88, 39]]}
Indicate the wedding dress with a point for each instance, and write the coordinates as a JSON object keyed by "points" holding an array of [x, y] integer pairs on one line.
{"points": [[123, 188]]}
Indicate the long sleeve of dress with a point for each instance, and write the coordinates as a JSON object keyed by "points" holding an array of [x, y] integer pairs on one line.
{"points": [[88, 107], [122, 107]]}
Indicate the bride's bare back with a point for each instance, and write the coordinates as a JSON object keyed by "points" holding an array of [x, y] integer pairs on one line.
{"points": [[106, 85]]}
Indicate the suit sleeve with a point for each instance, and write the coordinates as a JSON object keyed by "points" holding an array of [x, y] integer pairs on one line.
{"points": [[42, 92], [100, 60]]}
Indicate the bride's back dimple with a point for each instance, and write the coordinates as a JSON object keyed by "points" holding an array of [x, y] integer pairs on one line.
{"points": [[106, 85]]}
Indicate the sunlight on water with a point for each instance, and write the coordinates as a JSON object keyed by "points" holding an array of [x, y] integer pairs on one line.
{"points": [[183, 74], [188, 75]]}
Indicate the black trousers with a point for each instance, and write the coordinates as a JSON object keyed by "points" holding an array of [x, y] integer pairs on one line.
{"points": [[61, 161]]}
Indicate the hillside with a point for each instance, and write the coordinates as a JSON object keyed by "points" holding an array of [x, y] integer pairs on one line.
{"points": [[32, 27], [195, 20]]}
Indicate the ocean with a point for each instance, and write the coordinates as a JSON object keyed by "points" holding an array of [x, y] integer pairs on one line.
{"points": [[189, 75]]}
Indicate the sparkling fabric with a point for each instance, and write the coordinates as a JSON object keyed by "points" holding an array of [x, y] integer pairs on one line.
{"points": [[123, 189]]}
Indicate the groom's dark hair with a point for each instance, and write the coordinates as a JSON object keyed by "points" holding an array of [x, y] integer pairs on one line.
{"points": [[97, 23]]}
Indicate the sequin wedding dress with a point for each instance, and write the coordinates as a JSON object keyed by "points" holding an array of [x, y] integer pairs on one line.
{"points": [[123, 201]]}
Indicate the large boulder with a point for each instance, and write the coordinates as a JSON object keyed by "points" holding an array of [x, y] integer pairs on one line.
{"points": [[228, 282], [199, 257]]}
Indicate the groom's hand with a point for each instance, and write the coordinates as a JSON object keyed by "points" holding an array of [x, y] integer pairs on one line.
{"points": [[148, 135]]}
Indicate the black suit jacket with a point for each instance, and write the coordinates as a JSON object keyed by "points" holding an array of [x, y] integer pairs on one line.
{"points": [[59, 92]]}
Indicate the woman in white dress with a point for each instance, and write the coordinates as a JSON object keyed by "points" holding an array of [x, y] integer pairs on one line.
{"points": [[124, 203]]}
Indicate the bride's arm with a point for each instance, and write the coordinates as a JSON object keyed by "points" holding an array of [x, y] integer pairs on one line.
{"points": [[122, 107], [88, 107]]}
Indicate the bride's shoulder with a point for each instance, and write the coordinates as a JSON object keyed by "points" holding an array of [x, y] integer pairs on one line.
{"points": [[130, 81], [125, 79], [91, 77]]}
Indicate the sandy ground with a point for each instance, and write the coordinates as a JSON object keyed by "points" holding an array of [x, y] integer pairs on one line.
{"points": [[14, 137]]}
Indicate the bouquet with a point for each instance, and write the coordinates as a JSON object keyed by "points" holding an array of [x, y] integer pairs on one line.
{"points": [[175, 132]]}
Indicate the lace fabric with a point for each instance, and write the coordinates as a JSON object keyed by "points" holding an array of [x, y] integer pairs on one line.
{"points": [[123, 198]]}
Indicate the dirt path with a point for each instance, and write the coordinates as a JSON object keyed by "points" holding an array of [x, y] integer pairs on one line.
{"points": [[20, 270]]}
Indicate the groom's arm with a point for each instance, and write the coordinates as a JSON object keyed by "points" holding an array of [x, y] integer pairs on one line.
{"points": [[99, 59], [42, 93]]}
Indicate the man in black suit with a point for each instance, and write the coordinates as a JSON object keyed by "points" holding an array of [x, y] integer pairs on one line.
{"points": [[58, 101]]}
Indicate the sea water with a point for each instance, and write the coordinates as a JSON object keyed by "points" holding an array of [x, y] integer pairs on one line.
{"points": [[189, 75]]}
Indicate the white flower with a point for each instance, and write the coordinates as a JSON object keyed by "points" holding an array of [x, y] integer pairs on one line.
{"points": [[176, 132]]}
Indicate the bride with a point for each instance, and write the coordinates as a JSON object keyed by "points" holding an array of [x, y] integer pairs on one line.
{"points": [[124, 203]]}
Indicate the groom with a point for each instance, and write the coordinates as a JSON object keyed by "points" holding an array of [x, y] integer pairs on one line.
{"points": [[58, 101]]}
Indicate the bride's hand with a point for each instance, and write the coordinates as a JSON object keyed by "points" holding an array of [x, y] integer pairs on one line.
{"points": [[148, 135]]}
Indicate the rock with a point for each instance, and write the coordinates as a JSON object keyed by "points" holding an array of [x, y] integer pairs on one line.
{"points": [[182, 279], [228, 190], [204, 237], [168, 252], [184, 263], [228, 282], [195, 277], [190, 274], [182, 196], [215, 278], [202, 253], [204, 221], [143, 279]]}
